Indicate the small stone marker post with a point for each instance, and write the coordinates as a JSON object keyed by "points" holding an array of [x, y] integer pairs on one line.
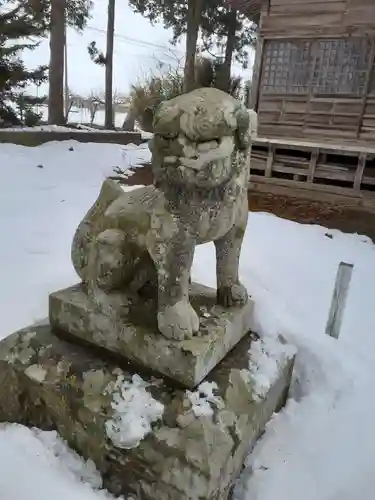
{"points": [[340, 293]]}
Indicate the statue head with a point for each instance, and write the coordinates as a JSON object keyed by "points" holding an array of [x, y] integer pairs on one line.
{"points": [[197, 137]]}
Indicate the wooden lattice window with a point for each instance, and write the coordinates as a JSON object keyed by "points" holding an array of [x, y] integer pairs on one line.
{"points": [[341, 66], [337, 66], [286, 67]]}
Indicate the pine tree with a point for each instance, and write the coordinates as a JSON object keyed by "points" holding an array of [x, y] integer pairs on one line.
{"points": [[57, 15], [221, 29], [18, 24], [106, 60]]}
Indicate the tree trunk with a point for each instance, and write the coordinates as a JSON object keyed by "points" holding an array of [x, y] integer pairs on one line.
{"points": [[66, 82], [56, 64], [193, 23], [223, 81], [109, 66]]}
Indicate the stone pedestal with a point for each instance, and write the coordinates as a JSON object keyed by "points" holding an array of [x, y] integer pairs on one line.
{"points": [[125, 324], [149, 439], [161, 419]]}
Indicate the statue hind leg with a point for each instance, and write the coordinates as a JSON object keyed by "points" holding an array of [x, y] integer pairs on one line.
{"points": [[145, 280], [86, 231], [117, 265], [110, 263]]}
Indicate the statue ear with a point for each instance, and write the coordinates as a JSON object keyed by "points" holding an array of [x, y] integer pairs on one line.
{"points": [[242, 135]]}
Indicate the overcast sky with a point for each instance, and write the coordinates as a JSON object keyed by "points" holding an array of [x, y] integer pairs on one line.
{"points": [[138, 46]]}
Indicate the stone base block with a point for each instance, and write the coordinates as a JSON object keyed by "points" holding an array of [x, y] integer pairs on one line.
{"points": [[126, 325], [148, 440]]}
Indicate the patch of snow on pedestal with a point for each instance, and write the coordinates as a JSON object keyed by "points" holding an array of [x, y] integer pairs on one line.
{"points": [[203, 399], [134, 412], [265, 358]]}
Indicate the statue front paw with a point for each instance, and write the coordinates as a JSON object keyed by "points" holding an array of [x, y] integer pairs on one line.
{"points": [[230, 296], [178, 322]]}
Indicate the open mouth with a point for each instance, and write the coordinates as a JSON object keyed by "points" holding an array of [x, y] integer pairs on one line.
{"points": [[222, 151]]}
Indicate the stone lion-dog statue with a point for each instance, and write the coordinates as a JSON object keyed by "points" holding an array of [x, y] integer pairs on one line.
{"points": [[148, 235]]}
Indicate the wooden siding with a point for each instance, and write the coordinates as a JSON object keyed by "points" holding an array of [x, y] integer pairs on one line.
{"points": [[298, 117], [317, 18], [318, 90]]}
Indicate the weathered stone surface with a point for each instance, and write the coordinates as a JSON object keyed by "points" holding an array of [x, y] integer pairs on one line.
{"points": [[148, 440], [148, 236], [127, 326]]}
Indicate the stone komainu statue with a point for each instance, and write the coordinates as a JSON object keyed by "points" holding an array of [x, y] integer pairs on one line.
{"points": [[147, 236]]}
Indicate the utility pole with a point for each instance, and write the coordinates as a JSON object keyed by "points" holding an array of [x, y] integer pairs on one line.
{"points": [[109, 66]]}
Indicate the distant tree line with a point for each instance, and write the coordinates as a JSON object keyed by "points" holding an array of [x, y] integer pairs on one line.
{"points": [[211, 27]]}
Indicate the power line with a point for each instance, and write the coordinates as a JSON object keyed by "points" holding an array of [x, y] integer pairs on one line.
{"points": [[119, 53], [135, 41], [145, 44]]}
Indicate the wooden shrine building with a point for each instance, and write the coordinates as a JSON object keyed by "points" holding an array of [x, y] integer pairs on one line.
{"points": [[314, 90]]}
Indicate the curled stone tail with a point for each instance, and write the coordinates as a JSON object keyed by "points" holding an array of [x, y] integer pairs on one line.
{"points": [[87, 229]]}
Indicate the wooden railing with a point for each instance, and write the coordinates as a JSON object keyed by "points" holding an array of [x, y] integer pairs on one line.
{"points": [[314, 167]]}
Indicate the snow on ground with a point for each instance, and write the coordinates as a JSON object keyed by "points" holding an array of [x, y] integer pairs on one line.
{"points": [[82, 115], [78, 127], [321, 447], [56, 128], [41, 128], [37, 465], [45, 191]]}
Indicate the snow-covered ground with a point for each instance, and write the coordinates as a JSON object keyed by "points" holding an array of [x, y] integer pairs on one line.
{"points": [[78, 127], [82, 115], [321, 447], [56, 128]]}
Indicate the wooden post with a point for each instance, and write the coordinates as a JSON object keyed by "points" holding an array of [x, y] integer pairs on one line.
{"points": [[360, 170], [258, 63], [312, 164], [340, 293], [270, 160], [257, 72], [370, 70]]}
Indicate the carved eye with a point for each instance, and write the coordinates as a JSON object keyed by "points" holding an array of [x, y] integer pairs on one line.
{"points": [[167, 137], [161, 142], [204, 147]]}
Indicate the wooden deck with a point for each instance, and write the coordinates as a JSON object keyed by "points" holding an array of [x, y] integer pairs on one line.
{"points": [[314, 170]]}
